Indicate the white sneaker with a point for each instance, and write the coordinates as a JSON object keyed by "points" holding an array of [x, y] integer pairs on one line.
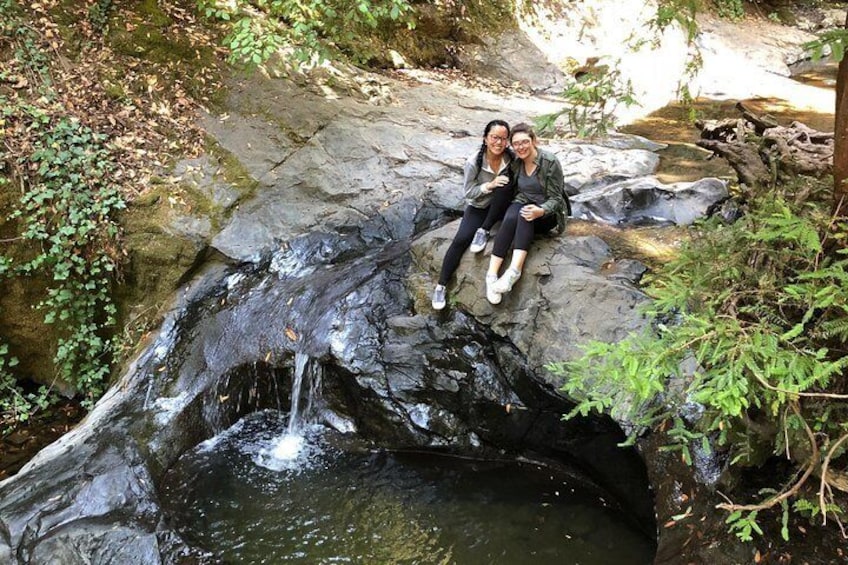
{"points": [[507, 281], [492, 296], [478, 244], [439, 297]]}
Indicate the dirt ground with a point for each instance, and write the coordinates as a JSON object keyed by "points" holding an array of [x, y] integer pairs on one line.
{"points": [[21, 444], [682, 160]]}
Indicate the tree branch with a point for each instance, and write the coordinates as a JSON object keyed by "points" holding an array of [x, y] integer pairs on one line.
{"points": [[791, 491], [824, 480]]}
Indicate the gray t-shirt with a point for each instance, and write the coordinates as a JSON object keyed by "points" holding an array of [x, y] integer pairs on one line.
{"points": [[530, 185]]}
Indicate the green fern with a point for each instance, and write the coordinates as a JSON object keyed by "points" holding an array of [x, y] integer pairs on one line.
{"points": [[747, 319]]}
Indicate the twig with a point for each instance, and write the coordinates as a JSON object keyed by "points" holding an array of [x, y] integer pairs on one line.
{"points": [[786, 433], [795, 488], [765, 383], [823, 482]]}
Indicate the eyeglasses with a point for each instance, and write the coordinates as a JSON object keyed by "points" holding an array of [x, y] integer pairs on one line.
{"points": [[497, 139], [522, 143]]}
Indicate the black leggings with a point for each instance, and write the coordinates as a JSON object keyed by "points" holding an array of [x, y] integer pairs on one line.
{"points": [[472, 219], [518, 232]]}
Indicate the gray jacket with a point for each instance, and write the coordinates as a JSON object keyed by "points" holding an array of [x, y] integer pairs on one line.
{"points": [[553, 183], [476, 177]]}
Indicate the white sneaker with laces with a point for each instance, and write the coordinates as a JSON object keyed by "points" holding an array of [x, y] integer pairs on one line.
{"points": [[478, 244], [439, 297], [507, 281], [492, 296]]}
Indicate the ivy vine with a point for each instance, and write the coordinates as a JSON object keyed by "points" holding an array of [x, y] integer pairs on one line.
{"points": [[65, 230]]}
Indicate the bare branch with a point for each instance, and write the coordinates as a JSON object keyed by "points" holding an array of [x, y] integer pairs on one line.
{"points": [[824, 481], [791, 491]]}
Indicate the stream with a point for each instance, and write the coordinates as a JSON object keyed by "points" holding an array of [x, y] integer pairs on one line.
{"points": [[342, 501]]}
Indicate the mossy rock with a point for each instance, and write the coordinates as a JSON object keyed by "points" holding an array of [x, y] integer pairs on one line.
{"points": [[22, 326], [159, 258]]}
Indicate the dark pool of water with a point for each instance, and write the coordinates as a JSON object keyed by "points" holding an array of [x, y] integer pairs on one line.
{"points": [[340, 502]]}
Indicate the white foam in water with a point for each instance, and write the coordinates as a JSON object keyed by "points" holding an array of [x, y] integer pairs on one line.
{"points": [[288, 447], [292, 452]]}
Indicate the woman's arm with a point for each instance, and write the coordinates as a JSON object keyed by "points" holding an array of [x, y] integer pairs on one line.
{"points": [[554, 183], [472, 187]]}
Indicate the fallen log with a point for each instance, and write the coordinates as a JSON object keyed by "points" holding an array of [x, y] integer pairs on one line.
{"points": [[744, 158], [761, 151]]}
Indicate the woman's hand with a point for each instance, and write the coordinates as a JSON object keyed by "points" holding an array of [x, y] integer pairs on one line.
{"points": [[497, 182], [531, 212]]}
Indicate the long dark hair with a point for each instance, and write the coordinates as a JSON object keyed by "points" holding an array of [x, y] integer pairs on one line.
{"points": [[482, 152]]}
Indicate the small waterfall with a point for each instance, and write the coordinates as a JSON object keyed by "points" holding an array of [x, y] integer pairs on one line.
{"points": [[301, 361], [288, 448]]}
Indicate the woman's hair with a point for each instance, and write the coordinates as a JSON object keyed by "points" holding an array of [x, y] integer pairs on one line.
{"points": [[523, 128], [482, 152]]}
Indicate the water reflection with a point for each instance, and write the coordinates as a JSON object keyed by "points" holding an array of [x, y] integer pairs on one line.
{"points": [[344, 503]]}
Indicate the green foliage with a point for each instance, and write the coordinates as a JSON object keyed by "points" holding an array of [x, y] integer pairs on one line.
{"points": [[747, 322], [831, 41], [743, 524], [592, 101], [66, 212], [64, 220], [733, 10], [98, 14], [681, 12], [812, 509], [315, 29], [14, 406], [29, 62]]}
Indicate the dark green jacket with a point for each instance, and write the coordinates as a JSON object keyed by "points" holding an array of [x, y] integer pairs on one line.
{"points": [[553, 183]]}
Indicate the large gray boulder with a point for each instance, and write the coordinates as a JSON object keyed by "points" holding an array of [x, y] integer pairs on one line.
{"points": [[332, 163]]}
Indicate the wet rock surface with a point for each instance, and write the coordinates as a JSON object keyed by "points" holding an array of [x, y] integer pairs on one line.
{"points": [[402, 378]]}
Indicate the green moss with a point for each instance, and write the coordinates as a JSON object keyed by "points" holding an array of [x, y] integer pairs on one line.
{"points": [[151, 42], [439, 28], [152, 38], [114, 90], [153, 12], [156, 261], [234, 173]]}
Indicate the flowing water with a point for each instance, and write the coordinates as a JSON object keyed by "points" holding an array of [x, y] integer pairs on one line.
{"points": [[286, 449], [339, 501]]}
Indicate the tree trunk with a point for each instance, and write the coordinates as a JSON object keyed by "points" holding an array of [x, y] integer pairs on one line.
{"points": [[840, 135]]}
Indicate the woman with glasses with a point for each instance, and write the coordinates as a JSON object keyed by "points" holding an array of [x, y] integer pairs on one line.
{"points": [[488, 192], [540, 205]]}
